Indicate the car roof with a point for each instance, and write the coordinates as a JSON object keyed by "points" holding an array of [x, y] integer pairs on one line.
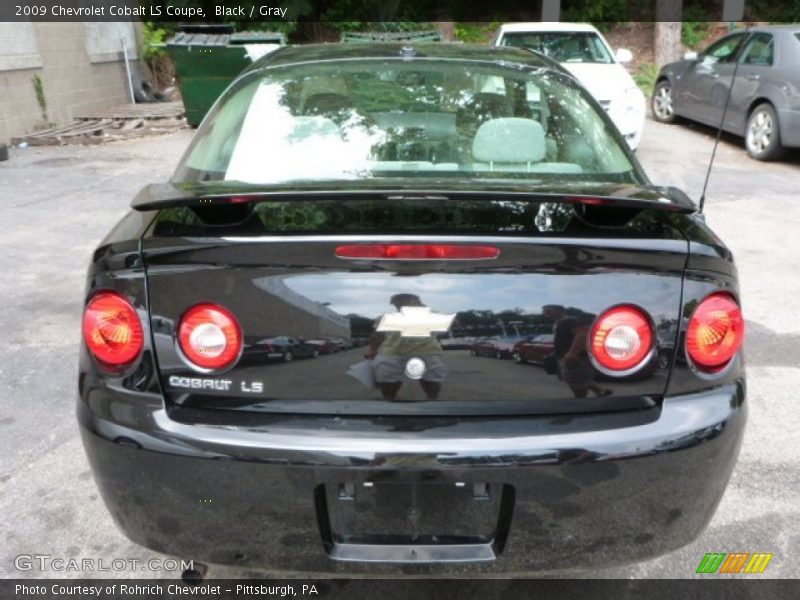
{"points": [[545, 26], [456, 51], [777, 27], [788, 28]]}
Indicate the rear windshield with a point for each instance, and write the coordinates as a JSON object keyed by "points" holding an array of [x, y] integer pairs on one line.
{"points": [[567, 46], [385, 119]]}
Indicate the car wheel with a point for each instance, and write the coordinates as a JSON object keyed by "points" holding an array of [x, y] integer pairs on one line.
{"points": [[498, 354], [762, 136], [316, 354], [288, 356], [517, 356], [663, 110]]}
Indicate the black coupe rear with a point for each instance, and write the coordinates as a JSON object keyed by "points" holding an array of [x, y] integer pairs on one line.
{"points": [[393, 198]]}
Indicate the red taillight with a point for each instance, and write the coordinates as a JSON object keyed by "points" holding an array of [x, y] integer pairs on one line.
{"points": [[716, 332], [210, 337], [112, 330], [417, 251], [590, 200], [621, 338]]}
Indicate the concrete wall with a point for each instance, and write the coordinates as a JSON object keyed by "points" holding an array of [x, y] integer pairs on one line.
{"points": [[283, 311], [80, 66]]}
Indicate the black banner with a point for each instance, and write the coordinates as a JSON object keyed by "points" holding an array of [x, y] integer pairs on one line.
{"points": [[385, 589], [250, 11]]}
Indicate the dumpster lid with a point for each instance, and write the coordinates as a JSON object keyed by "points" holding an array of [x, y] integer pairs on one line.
{"points": [[258, 37], [433, 35], [214, 38]]}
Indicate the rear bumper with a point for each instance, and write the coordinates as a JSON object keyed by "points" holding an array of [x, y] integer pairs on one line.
{"points": [[582, 496]]}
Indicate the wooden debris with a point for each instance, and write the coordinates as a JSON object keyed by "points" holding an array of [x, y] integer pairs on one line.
{"points": [[120, 123]]}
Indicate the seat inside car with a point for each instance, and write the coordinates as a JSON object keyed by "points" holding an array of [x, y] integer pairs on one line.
{"points": [[469, 116], [514, 144]]}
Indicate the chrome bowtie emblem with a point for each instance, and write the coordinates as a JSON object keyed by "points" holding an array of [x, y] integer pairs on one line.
{"points": [[415, 368], [415, 321]]}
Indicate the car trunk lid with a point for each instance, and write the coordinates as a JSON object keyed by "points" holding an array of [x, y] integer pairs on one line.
{"points": [[280, 268]]}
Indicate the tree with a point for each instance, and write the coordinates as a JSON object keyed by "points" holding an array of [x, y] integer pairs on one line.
{"points": [[668, 31]]}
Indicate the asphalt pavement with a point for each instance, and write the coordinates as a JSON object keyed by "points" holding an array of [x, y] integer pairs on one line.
{"points": [[58, 202]]}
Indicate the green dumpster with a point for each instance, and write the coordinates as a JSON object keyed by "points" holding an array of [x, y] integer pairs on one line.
{"points": [[208, 59]]}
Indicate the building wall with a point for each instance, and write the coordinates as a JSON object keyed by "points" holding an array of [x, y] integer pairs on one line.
{"points": [[80, 66], [295, 315]]}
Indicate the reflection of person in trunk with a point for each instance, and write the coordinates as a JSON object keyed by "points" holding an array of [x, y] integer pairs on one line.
{"points": [[570, 333], [390, 351]]}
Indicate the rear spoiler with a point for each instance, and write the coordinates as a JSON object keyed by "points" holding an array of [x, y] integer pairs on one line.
{"points": [[169, 195]]}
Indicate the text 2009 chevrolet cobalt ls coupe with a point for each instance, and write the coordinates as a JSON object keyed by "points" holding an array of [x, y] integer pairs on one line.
{"points": [[380, 195]]}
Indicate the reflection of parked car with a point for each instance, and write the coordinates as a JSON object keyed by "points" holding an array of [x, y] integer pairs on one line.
{"points": [[497, 347], [456, 343], [285, 348], [762, 107], [341, 344], [324, 346], [585, 53], [483, 347], [533, 349]]}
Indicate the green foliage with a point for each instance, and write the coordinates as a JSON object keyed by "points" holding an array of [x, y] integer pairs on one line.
{"points": [[38, 88], [475, 33], [390, 15], [693, 33], [599, 12], [645, 77], [153, 36], [297, 8], [284, 27], [785, 11], [694, 28], [356, 26]]}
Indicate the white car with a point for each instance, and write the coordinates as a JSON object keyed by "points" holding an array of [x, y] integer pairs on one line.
{"points": [[585, 53]]}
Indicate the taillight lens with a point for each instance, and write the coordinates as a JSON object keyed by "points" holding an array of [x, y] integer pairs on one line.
{"points": [[209, 336], [112, 329], [417, 251], [716, 332], [621, 338]]}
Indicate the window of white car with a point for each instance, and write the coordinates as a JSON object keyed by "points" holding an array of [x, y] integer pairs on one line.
{"points": [[569, 47]]}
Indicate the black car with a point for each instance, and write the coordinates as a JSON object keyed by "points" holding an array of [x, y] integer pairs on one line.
{"points": [[284, 348], [397, 186], [325, 346], [764, 105]]}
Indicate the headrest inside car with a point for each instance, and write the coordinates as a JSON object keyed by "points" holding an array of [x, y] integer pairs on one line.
{"points": [[308, 127], [509, 140]]}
